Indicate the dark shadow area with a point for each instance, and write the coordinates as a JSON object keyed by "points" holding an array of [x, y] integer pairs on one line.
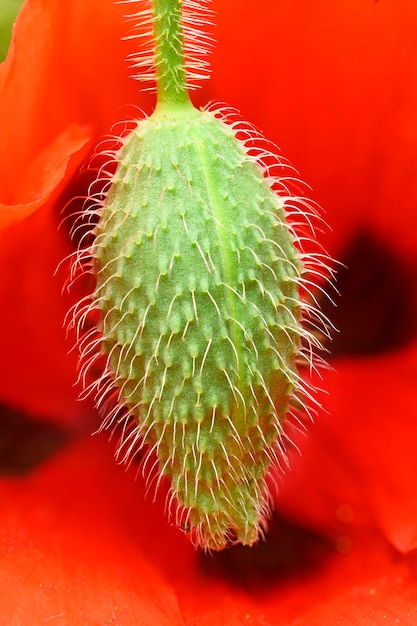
{"points": [[25, 442], [289, 551], [377, 308]]}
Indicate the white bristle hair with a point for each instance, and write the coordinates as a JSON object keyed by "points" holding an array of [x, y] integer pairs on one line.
{"points": [[198, 43], [96, 376]]}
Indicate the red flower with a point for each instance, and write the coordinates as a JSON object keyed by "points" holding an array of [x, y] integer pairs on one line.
{"points": [[335, 86]]}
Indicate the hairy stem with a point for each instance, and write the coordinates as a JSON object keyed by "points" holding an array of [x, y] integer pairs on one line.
{"points": [[171, 76]]}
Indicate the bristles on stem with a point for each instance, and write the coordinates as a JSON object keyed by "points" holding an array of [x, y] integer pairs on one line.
{"points": [[194, 42]]}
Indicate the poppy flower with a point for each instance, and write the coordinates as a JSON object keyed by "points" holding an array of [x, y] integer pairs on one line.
{"points": [[335, 87]]}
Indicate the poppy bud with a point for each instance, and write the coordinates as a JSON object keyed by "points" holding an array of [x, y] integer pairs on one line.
{"points": [[198, 278]]}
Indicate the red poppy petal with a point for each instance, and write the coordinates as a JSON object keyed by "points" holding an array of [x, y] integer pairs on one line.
{"points": [[59, 79], [371, 586], [42, 181], [367, 586], [37, 371], [80, 544], [74, 551], [51, 93], [335, 85], [65, 77], [358, 463]]}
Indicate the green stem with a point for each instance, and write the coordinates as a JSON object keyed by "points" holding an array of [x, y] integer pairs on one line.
{"points": [[171, 76]]}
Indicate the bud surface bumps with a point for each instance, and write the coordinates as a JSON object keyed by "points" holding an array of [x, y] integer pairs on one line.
{"points": [[197, 282]]}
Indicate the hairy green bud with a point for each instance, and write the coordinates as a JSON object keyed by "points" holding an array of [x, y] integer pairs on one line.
{"points": [[200, 286]]}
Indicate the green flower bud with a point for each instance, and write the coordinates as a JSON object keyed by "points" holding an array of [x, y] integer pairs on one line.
{"points": [[200, 279]]}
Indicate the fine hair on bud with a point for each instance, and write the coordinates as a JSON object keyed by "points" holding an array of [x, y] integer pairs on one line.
{"points": [[197, 20], [200, 329]]}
